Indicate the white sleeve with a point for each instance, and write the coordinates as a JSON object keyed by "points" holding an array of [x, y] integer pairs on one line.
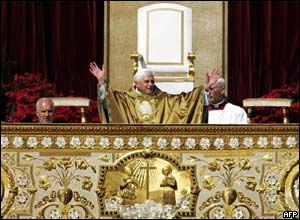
{"points": [[244, 119], [102, 92], [206, 94]]}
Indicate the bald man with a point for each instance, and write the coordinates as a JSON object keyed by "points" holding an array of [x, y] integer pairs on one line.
{"points": [[44, 110]]}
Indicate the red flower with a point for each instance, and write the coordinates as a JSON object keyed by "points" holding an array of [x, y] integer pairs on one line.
{"points": [[275, 115], [27, 88]]}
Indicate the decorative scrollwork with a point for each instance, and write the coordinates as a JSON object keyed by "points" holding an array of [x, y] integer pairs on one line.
{"points": [[9, 190], [63, 171], [228, 172]]}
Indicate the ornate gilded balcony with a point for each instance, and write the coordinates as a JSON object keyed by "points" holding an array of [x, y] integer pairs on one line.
{"points": [[67, 171]]}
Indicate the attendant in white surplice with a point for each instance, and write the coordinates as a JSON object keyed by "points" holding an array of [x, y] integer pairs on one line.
{"points": [[219, 110], [146, 103]]}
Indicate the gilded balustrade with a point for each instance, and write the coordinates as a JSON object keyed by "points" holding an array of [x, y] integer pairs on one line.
{"points": [[67, 171]]}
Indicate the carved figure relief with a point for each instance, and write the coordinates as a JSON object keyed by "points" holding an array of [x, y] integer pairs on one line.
{"points": [[147, 183]]}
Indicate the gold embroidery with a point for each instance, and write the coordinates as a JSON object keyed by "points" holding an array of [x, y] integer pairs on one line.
{"points": [[145, 110]]}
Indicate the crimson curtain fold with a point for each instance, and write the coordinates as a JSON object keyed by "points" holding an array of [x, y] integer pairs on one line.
{"points": [[60, 38], [263, 47], [55, 38]]}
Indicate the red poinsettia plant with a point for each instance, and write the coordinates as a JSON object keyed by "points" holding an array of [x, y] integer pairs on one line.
{"points": [[23, 92], [25, 89], [275, 114]]}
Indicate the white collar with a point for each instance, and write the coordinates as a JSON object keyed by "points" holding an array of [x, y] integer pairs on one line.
{"points": [[216, 105], [137, 91]]}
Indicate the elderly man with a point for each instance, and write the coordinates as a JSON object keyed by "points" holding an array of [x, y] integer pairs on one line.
{"points": [[44, 110], [146, 103], [219, 110]]}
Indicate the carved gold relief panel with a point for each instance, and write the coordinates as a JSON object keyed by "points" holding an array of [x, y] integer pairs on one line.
{"points": [[119, 171], [147, 180]]}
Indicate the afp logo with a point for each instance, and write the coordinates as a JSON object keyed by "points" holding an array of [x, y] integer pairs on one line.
{"points": [[290, 214]]}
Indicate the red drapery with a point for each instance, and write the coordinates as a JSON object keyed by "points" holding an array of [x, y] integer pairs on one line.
{"points": [[60, 38], [57, 39], [263, 47]]}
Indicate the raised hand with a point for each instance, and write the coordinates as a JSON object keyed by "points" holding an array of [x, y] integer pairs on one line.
{"points": [[212, 78], [97, 72]]}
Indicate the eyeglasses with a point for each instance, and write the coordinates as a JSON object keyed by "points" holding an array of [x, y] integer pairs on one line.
{"points": [[49, 111]]}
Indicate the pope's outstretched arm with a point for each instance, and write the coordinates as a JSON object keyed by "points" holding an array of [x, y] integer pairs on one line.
{"points": [[97, 72], [101, 96]]}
